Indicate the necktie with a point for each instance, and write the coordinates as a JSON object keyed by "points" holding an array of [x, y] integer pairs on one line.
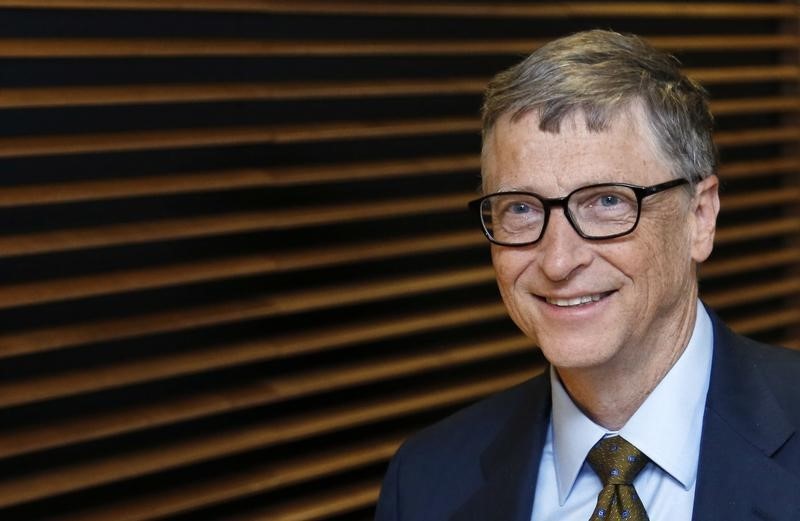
{"points": [[617, 462]]}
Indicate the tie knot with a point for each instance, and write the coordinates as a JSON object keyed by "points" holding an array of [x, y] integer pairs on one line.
{"points": [[616, 461]]}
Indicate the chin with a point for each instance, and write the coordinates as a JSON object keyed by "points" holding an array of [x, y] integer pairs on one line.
{"points": [[575, 354]]}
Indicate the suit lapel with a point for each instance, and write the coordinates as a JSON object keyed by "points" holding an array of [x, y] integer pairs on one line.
{"points": [[743, 427], [511, 463]]}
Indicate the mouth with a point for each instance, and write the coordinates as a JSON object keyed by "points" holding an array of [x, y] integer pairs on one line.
{"points": [[576, 301]]}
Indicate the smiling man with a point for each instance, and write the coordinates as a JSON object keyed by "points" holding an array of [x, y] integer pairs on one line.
{"points": [[600, 201]]}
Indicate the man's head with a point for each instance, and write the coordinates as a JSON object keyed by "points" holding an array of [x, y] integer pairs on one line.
{"points": [[601, 74], [609, 278]]}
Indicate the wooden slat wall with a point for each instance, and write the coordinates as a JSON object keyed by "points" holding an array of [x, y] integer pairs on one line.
{"points": [[236, 268]]}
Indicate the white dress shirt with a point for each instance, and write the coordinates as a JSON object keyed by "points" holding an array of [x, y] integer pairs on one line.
{"points": [[666, 427]]}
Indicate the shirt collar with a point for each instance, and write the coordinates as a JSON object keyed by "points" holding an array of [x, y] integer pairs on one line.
{"points": [[661, 427]]}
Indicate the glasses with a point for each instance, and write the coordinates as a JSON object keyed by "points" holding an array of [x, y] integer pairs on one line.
{"points": [[601, 211]]}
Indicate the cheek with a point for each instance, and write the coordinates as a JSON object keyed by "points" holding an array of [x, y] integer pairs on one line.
{"points": [[666, 259], [509, 264]]}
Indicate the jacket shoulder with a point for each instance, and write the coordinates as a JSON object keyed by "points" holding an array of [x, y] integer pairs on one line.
{"points": [[476, 425], [439, 468], [780, 367]]}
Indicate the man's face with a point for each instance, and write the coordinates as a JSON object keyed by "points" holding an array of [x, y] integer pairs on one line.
{"points": [[642, 286]]}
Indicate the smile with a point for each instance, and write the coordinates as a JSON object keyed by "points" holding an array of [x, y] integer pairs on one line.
{"points": [[576, 301]]}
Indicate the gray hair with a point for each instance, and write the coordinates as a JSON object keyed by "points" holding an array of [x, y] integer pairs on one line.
{"points": [[601, 74]]}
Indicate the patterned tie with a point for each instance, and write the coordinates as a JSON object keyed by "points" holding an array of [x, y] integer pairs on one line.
{"points": [[617, 462]]}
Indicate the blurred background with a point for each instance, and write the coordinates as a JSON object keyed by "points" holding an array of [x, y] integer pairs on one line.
{"points": [[236, 265]]}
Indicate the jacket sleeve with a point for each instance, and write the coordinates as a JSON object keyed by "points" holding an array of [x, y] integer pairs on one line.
{"points": [[388, 508]]}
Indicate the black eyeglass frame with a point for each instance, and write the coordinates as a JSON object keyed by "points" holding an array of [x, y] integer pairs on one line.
{"points": [[641, 192]]}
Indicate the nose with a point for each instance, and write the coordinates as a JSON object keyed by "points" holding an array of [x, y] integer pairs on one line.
{"points": [[562, 251]]}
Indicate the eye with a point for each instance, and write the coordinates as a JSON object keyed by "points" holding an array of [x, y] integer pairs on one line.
{"points": [[603, 202], [609, 201], [519, 208], [516, 208]]}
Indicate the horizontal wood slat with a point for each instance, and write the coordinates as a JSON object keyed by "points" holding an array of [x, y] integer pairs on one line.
{"points": [[192, 227], [776, 197], [275, 389], [321, 132], [750, 262], [542, 10], [219, 137], [207, 446], [212, 47], [763, 322], [178, 183], [220, 47], [759, 136], [326, 338], [161, 276], [142, 94], [755, 105], [182, 48], [186, 497], [697, 43], [753, 293], [320, 505], [88, 95], [260, 307], [183, 183], [772, 227], [744, 169], [754, 74], [502, 10]]}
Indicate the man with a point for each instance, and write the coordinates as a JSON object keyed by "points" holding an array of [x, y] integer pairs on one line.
{"points": [[601, 199]]}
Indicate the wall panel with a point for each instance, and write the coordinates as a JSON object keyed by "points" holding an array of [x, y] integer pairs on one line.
{"points": [[236, 266]]}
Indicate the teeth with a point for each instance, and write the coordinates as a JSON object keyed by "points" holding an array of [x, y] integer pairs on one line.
{"points": [[577, 301]]}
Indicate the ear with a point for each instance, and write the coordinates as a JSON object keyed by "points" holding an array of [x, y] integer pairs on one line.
{"points": [[705, 207]]}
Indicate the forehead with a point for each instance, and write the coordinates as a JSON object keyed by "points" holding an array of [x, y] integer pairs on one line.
{"points": [[517, 155]]}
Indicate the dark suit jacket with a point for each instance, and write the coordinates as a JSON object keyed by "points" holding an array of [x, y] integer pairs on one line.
{"points": [[482, 462]]}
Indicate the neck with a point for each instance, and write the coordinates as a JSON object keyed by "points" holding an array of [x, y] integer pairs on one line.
{"points": [[610, 394]]}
